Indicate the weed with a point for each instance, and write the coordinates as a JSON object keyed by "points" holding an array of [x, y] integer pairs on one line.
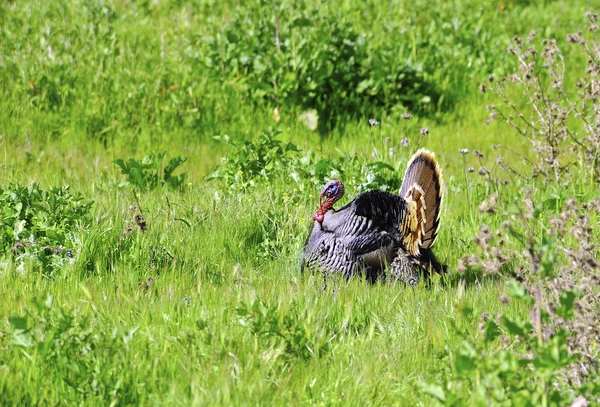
{"points": [[559, 121], [264, 158], [146, 173], [267, 159], [42, 228]]}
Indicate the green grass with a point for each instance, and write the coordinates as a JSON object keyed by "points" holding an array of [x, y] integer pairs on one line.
{"points": [[228, 318]]}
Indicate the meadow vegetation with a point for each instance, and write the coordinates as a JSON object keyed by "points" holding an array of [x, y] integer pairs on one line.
{"points": [[161, 160]]}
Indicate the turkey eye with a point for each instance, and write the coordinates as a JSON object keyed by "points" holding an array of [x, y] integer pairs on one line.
{"points": [[334, 190]]}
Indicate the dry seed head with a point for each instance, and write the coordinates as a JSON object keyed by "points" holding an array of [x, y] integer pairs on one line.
{"points": [[517, 40]]}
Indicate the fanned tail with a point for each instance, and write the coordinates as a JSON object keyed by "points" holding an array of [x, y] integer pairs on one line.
{"points": [[422, 190]]}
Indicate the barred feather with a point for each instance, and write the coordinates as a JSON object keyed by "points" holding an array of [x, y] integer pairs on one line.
{"points": [[424, 172]]}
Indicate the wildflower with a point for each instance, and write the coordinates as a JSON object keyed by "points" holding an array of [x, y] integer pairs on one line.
{"points": [[404, 142], [406, 116], [477, 154], [373, 122], [464, 151], [424, 131]]}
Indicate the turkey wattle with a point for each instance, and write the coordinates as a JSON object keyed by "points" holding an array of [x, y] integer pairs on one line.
{"points": [[380, 228]]}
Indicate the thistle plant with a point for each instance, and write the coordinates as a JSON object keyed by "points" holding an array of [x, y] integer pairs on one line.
{"points": [[561, 123]]}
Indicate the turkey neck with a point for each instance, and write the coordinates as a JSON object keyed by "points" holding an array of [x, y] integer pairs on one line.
{"points": [[319, 215]]}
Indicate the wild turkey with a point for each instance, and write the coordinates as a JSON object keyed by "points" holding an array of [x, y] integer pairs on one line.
{"points": [[379, 228]]}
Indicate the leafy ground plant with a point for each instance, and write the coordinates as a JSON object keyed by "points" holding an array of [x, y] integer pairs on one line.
{"points": [[41, 228], [265, 157], [268, 158], [148, 173]]}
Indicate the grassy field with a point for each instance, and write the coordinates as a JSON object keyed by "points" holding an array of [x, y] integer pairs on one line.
{"points": [[201, 301]]}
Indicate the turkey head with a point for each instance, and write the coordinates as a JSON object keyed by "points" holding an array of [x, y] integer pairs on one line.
{"points": [[332, 192]]}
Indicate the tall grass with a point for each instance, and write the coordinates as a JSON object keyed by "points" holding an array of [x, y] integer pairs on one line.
{"points": [[207, 305]]}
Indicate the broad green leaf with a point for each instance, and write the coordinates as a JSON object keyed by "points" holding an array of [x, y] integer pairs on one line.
{"points": [[18, 322], [492, 331], [515, 326], [434, 390], [516, 289], [566, 307], [172, 166]]}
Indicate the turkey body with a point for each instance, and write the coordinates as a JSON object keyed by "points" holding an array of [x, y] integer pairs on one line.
{"points": [[367, 227], [380, 229], [363, 236]]}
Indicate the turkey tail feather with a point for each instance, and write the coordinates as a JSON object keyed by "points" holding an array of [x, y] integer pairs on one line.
{"points": [[422, 190]]}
